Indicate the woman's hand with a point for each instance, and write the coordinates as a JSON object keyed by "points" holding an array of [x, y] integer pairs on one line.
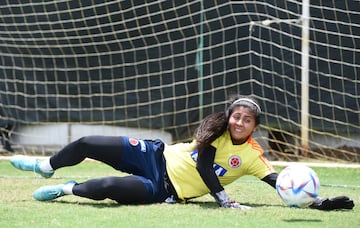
{"points": [[335, 203], [223, 200]]}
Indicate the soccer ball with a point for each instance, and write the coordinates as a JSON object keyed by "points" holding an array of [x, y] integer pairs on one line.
{"points": [[298, 186]]}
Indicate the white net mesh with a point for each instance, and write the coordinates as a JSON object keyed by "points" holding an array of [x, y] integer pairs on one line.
{"points": [[165, 64]]}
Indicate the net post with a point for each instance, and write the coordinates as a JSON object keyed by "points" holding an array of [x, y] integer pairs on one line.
{"points": [[305, 78], [199, 62]]}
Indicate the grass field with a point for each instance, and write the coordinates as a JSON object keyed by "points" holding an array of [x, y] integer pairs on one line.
{"points": [[19, 209]]}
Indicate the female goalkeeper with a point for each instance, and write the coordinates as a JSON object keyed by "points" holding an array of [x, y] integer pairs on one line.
{"points": [[223, 150]]}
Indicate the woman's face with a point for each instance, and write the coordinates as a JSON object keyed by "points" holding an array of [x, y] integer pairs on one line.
{"points": [[241, 124]]}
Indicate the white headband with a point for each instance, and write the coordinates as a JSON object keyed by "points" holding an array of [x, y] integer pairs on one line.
{"points": [[248, 100]]}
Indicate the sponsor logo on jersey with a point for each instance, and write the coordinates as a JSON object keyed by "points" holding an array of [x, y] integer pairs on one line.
{"points": [[234, 161], [194, 155], [218, 169]]}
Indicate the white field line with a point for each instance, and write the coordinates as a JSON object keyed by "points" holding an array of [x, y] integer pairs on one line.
{"points": [[274, 163], [317, 164]]}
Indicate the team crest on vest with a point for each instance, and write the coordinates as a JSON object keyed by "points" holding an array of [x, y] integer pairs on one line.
{"points": [[234, 161], [133, 142]]}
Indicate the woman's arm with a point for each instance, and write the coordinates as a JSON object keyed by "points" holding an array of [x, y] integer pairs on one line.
{"points": [[271, 179], [205, 168]]}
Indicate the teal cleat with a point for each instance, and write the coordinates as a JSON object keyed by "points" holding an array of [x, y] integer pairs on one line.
{"points": [[28, 163], [46, 193]]}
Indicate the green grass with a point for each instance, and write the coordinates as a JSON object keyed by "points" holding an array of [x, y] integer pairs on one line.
{"points": [[19, 209]]}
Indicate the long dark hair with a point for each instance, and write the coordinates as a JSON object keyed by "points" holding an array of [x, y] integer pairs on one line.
{"points": [[214, 125]]}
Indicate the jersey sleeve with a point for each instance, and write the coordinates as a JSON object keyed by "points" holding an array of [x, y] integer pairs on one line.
{"points": [[261, 167]]}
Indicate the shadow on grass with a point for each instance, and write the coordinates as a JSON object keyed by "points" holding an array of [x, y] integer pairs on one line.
{"points": [[110, 204], [302, 220], [113, 204], [96, 204], [214, 205]]}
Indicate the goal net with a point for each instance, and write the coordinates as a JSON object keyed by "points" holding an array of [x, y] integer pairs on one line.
{"points": [[166, 64]]}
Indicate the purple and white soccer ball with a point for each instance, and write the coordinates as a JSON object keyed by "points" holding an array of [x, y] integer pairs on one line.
{"points": [[298, 186]]}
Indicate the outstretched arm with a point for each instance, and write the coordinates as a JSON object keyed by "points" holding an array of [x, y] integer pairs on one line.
{"points": [[325, 204], [205, 168]]}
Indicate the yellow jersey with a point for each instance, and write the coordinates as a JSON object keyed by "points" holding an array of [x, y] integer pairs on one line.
{"points": [[230, 163]]}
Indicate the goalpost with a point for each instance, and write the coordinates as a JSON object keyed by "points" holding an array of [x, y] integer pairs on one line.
{"points": [[163, 65], [324, 70], [305, 77]]}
